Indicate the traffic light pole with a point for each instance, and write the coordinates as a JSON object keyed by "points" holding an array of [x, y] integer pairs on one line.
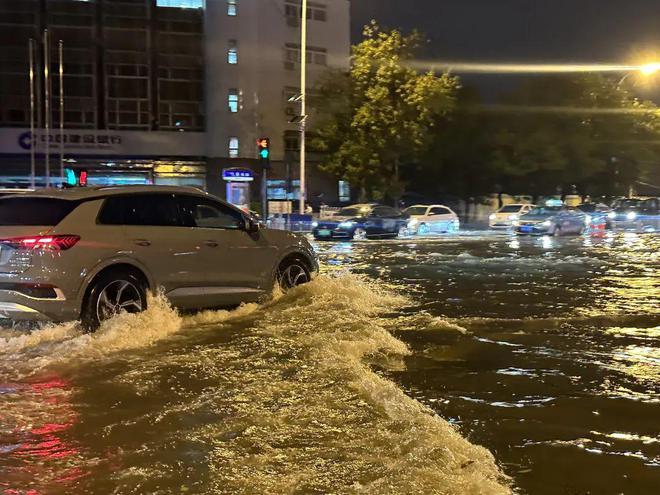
{"points": [[303, 104]]}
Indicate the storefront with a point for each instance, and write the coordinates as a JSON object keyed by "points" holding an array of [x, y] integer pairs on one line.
{"points": [[110, 157]]}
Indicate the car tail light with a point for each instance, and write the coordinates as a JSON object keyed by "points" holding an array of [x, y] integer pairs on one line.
{"points": [[46, 243]]}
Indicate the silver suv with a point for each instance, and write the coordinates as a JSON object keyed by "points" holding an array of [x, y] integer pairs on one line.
{"points": [[89, 253]]}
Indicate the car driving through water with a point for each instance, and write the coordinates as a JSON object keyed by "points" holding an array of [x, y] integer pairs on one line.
{"points": [[89, 253], [505, 216], [636, 214], [554, 218], [363, 221], [432, 219]]}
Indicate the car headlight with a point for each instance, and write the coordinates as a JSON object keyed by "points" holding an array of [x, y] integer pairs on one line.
{"points": [[611, 215], [315, 224], [631, 215], [587, 219], [346, 225], [516, 223], [547, 223], [492, 216], [413, 222], [513, 217]]}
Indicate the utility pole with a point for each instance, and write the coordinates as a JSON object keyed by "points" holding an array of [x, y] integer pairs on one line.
{"points": [[303, 103], [33, 140], [61, 56], [47, 102]]}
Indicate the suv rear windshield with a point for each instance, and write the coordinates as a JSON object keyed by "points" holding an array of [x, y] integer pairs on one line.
{"points": [[48, 212]]}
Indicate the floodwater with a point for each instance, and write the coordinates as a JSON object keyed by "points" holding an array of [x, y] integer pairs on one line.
{"points": [[466, 364]]}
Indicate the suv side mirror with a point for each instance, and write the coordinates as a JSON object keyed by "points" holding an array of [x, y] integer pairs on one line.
{"points": [[251, 227]]}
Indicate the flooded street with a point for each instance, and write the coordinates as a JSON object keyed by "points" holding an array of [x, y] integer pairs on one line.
{"points": [[474, 363]]}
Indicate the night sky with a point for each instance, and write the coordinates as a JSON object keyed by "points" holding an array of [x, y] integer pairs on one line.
{"points": [[541, 31]]}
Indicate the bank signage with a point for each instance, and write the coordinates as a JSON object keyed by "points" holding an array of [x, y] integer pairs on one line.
{"points": [[237, 175], [86, 142]]}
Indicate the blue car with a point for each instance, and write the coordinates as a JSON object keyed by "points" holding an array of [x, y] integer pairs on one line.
{"points": [[636, 214], [553, 219], [363, 221]]}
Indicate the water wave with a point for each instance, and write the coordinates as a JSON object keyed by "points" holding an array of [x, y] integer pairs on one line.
{"points": [[287, 402]]}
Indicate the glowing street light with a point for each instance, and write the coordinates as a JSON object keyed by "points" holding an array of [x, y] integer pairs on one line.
{"points": [[650, 69]]}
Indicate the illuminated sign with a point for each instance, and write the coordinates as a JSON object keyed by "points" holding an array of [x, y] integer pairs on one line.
{"points": [[237, 175]]}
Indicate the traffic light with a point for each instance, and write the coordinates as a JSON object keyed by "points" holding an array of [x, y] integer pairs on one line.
{"points": [[70, 178], [74, 179], [263, 146]]}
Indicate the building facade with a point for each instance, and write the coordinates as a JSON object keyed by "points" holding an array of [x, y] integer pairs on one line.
{"points": [[164, 91]]}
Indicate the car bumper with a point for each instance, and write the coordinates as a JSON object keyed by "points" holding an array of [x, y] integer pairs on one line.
{"points": [[331, 234], [19, 307], [532, 230]]}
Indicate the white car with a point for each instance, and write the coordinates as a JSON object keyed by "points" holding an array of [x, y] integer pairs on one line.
{"points": [[427, 219], [505, 216]]}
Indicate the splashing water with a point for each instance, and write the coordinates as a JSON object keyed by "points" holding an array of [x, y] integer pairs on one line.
{"points": [[278, 398]]}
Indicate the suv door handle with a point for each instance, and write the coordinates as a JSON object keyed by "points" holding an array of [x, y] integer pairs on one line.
{"points": [[143, 242], [212, 244]]}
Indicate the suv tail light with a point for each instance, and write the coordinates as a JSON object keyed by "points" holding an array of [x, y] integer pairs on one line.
{"points": [[46, 243]]}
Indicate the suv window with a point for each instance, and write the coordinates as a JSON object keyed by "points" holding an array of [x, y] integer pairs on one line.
{"points": [[208, 214], [440, 211], [156, 210], [45, 212]]}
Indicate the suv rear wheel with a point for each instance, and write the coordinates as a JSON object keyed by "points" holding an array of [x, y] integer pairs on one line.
{"points": [[110, 294]]}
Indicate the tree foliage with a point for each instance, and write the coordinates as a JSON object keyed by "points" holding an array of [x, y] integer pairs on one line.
{"points": [[548, 135], [377, 118]]}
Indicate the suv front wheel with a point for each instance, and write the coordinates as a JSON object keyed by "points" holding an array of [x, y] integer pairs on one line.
{"points": [[292, 273], [110, 294]]}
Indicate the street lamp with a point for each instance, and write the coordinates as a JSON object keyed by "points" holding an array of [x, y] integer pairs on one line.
{"points": [[646, 70]]}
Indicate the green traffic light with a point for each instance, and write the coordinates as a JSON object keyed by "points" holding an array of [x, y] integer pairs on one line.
{"points": [[265, 154], [71, 179]]}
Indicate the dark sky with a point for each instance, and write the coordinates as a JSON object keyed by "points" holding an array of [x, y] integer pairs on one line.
{"points": [[541, 31]]}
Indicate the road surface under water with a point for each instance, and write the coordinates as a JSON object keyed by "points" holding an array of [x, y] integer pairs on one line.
{"points": [[555, 362], [383, 376]]}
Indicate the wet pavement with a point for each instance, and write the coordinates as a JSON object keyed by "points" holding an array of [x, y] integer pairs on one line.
{"points": [[385, 375]]}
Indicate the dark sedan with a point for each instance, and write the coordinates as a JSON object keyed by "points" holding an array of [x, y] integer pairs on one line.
{"points": [[636, 214], [365, 221]]}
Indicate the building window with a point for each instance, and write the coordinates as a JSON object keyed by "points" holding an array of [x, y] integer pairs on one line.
{"points": [[232, 52], [293, 11], [292, 141], [234, 147], [233, 100], [315, 55], [232, 7]]}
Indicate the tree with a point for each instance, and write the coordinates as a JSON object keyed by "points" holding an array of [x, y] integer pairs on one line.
{"points": [[551, 132], [376, 119], [582, 130]]}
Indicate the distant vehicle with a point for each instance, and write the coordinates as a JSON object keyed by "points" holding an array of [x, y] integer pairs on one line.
{"points": [[597, 215], [431, 219], [90, 253], [636, 214], [362, 221], [554, 218], [505, 216]]}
